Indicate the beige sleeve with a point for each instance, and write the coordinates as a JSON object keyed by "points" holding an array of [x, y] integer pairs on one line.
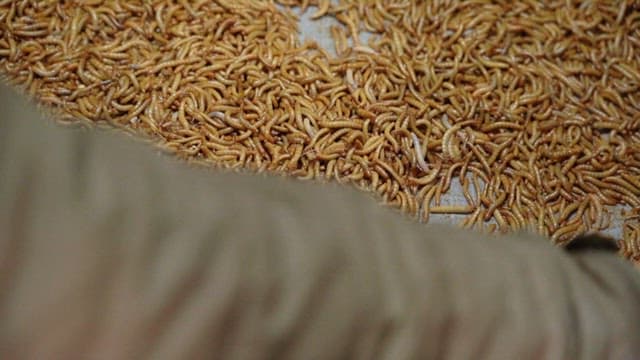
{"points": [[111, 251]]}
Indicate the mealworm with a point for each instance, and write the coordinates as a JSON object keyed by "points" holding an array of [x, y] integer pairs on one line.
{"points": [[418, 152], [562, 232], [448, 147], [323, 7], [465, 191], [498, 202], [471, 220], [425, 206], [452, 209], [427, 179], [449, 175]]}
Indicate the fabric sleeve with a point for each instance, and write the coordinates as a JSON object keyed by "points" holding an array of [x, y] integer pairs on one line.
{"points": [[110, 250]]}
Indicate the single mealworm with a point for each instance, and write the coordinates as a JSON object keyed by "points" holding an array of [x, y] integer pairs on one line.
{"points": [[453, 209]]}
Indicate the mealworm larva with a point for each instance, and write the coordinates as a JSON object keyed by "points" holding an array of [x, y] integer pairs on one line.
{"points": [[323, 8], [449, 175], [427, 179], [562, 232], [449, 149], [568, 211], [391, 171], [364, 49], [491, 210], [341, 124], [465, 191], [425, 206], [500, 220], [481, 158], [471, 220], [453, 209], [418, 152]]}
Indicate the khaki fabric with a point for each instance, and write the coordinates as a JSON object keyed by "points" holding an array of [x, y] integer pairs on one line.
{"points": [[109, 250]]}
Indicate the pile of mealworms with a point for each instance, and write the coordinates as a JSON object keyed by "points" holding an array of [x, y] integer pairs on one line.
{"points": [[532, 107]]}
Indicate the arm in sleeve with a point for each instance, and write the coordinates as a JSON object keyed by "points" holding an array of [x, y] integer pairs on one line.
{"points": [[109, 250]]}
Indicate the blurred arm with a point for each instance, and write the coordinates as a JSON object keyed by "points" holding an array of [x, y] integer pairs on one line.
{"points": [[108, 250]]}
